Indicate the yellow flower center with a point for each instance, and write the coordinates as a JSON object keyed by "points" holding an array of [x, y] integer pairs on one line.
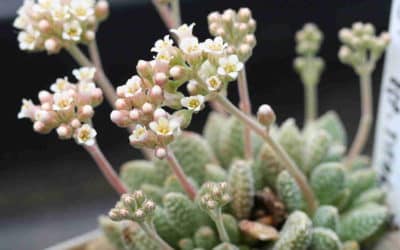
{"points": [[214, 82], [230, 68], [84, 135], [193, 103], [163, 129]]}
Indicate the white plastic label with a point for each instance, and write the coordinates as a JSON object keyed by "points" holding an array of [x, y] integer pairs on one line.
{"points": [[386, 157]]}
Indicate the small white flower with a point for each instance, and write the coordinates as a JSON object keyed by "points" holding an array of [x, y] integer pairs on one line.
{"points": [[60, 13], [72, 31], [60, 85], [183, 31], [86, 87], [138, 134], [214, 47], [195, 103], [164, 127], [47, 5], [133, 86], [162, 44], [28, 39], [190, 46], [214, 83], [27, 109], [229, 66], [85, 74], [82, 10], [21, 22], [86, 135], [62, 101], [164, 55]]}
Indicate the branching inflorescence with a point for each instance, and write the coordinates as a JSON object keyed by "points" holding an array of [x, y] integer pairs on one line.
{"points": [[235, 186]]}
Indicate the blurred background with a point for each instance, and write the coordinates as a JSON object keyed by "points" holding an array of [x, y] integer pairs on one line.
{"points": [[50, 190]]}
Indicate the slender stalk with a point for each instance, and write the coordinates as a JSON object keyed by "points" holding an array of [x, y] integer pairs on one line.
{"points": [[180, 174], [245, 106], [152, 233], [106, 168], [165, 14], [217, 217], [310, 99], [290, 166], [176, 11], [365, 123]]}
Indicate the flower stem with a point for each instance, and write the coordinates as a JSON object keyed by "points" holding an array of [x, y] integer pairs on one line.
{"points": [[364, 126], [106, 168], [311, 100], [180, 174], [290, 166], [152, 233], [100, 77], [217, 217], [165, 14], [176, 11], [245, 106]]}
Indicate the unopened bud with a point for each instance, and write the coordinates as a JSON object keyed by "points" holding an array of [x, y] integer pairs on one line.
{"points": [[266, 115], [64, 131], [160, 153], [102, 10], [45, 96], [147, 108], [44, 26], [52, 45], [177, 72], [244, 14], [160, 78]]}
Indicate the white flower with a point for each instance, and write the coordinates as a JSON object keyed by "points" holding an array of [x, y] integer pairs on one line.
{"points": [[86, 87], [162, 44], [138, 134], [183, 31], [214, 47], [47, 5], [86, 135], [163, 55], [28, 39], [164, 127], [21, 22], [60, 85], [62, 101], [229, 66], [85, 74], [214, 83], [190, 46], [60, 13], [133, 86], [72, 31], [27, 109], [195, 103], [82, 10]]}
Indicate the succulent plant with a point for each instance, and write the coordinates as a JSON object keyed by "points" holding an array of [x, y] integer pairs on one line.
{"points": [[246, 182]]}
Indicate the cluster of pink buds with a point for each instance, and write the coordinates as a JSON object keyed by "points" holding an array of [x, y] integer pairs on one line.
{"points": [[53, 24], [68, 108], [206, 66], [236, 28]]}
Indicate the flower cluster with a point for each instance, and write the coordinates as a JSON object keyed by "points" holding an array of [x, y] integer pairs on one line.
{"points": [[134, 206], [207, 67], [214, 195], [68, 108], [362, 47], [308, 64], [236, 28], [53, 24]]}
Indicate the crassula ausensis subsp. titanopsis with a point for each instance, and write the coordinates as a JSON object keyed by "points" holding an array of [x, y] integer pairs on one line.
{"points": [[246, 182]]}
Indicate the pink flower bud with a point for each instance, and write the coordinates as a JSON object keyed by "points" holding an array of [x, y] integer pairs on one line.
{"points": [[90, 35], [102, 9], [156, 95], [147, 108], [134, 114], [160, 79], [45, 97], [244, 14], [64, 131], [40, 127], [250, 40], [121, 104], [220, 32], [120, 117], [46, 106], [86, 112], [160, 153], [213, 27], [243, 28], [252, 25], [75, 123], [44, 26], [143, 68], [213, 17], [158, 113], [266, 115], [52, 45]]}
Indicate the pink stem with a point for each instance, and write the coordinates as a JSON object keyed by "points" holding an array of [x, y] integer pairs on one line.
{"points": [[106, 168], [245, 106], [165, 14]]}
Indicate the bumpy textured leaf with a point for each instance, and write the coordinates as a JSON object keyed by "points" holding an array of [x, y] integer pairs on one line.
{"points": [[231, 227], [266, 168], [205, 237], [164, 227], [226, 246], [360, 162], [135, 173], [231, 141], [325, 239], [343, 199], [335, 152], [153, 192], [215, 173], [291, 140], [362, 222], [296, 234], [135, 238], [376, 195], [182, 213], [193, 153], [328, 180], [331, 123], [212, 131], [241, 185], [289, 192], [316, 149], [113, 232], [327, 217], [361, 180]]}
